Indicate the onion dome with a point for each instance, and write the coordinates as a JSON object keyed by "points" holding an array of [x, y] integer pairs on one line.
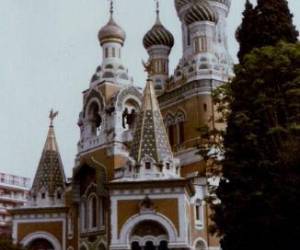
{"points": [[179, 4], [200, 11], [158, 35], [111, 32], [225, 2]]}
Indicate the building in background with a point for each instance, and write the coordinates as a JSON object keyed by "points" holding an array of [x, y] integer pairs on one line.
{"points": [[138, 182], [14, 192]]}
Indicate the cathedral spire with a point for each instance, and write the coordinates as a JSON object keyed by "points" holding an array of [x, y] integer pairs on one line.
{"points": [[50, 176], [150, 139]]}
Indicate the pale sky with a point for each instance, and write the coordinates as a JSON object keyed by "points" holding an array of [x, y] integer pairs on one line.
{"points": [[48, 53]]}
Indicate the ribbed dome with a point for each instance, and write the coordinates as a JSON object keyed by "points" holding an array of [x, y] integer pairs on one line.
{"points": [[200, 11], [226, 2], [111, 31], [181, 3], [158, 35]]}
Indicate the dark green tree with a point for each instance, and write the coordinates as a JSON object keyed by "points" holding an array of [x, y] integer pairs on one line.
{"points": [[259, 190], [266, 24]]}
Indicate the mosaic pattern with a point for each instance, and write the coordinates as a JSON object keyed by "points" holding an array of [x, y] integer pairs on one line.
{"points": [[150, 138], [50, 174]]}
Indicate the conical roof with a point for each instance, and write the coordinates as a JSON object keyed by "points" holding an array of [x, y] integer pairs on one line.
{"points": [[50, 172], [150, 138]]}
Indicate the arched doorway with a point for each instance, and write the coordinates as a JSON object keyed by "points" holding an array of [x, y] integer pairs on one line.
{"points": [[40, 244], [149, 235]]}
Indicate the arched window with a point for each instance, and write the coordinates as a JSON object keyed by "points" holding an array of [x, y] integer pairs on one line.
{"points": [[170, 126], [84, 215], [200, 245], [101, 247], [102, 212], [135, 246], [94, 118], [93, 204], [163, 245], [180, 123], [198, 213], [149, 246]]}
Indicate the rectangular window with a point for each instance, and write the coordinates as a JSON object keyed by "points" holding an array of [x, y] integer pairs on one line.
{"points": [[148, 165], [106, 52], [113, 52], [198, 214]]}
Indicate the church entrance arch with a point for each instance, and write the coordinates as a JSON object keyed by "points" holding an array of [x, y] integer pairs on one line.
{"points": [[149, 235], [41, 241], [40, 244]]}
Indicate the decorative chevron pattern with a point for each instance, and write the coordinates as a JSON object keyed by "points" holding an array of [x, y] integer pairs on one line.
{"points": [[158, 35], [201, 11], [179, 4]]}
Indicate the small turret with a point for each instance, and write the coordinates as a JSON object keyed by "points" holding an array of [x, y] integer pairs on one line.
{"points": [[151, 155], [49, 181], [158, 42], [111, 37]]}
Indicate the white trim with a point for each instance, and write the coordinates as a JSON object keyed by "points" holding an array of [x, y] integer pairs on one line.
{"points": [[142, 240], [197, 240], [38, 220], [136, 219], [41, 235]]}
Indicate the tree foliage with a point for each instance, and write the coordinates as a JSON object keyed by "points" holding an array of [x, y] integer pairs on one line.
{"points": [[266, 24], [260, 186]]}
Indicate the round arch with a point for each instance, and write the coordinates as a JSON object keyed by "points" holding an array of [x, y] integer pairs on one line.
{"points": [[127, 94], [200, 242], [136, 219], [83, 246], [41, 235]]}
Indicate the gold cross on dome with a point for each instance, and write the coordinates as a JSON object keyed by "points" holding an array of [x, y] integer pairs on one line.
{"points": [[52, 116]]}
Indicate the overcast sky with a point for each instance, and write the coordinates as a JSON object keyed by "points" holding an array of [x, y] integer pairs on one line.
{"points": [[48, 53]]}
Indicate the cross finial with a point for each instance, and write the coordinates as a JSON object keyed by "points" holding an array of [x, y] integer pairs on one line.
{"points": [[52, 116], [111, 10], [157, 10]]}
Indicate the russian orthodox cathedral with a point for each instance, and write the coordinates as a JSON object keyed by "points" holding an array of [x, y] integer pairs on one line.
{"points": [[138, 182]]}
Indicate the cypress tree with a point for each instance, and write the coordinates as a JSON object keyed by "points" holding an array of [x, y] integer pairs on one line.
{"points": [[259, 191], [268, 23], [244, 32], [260, 188]]}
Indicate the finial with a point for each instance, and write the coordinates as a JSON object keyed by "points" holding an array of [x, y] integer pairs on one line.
{"points": [[157, 11], [52, 116], [111, 10]]}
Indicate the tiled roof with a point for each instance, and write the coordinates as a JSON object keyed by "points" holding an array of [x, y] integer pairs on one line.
{"points": [[50, 173], [150, 138]]}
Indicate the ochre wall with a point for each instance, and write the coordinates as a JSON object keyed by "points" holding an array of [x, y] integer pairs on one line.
{"points": [[167, 207], [54, 228]]}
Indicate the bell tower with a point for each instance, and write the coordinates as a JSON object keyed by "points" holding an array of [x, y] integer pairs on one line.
{"points": [[204, 65]]}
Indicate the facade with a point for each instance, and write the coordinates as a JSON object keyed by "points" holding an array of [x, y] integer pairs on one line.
{"points": [[14, 192], [138, 182]]}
